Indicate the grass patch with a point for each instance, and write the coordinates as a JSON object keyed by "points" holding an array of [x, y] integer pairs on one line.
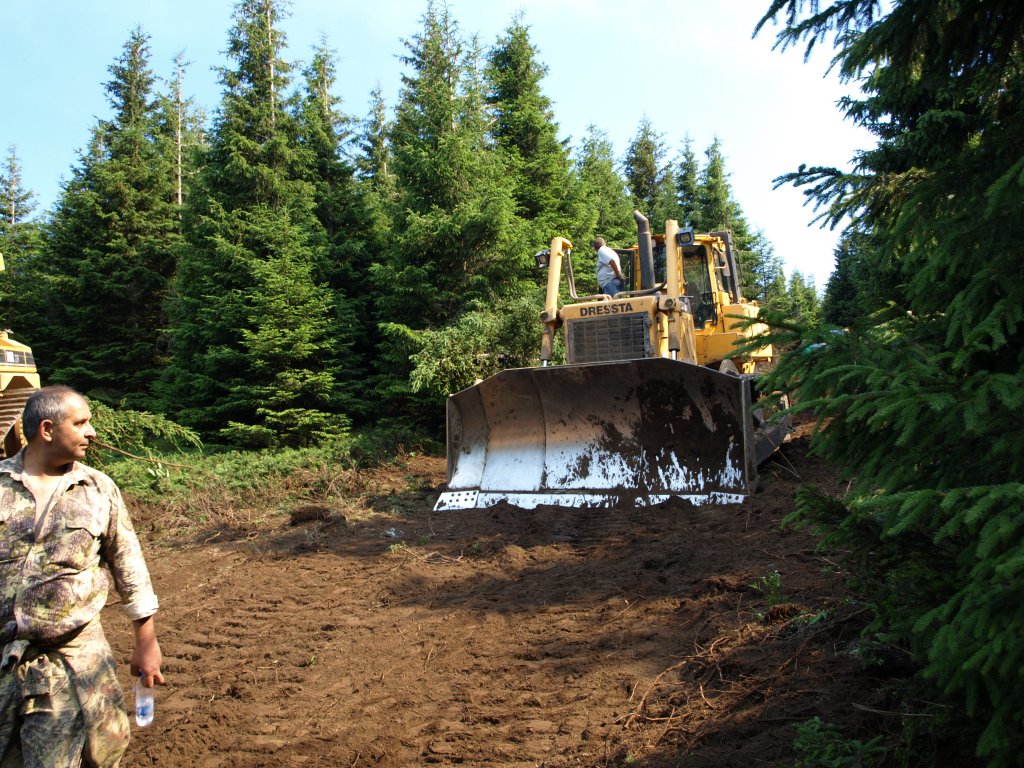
{"points": [[182, 493]]}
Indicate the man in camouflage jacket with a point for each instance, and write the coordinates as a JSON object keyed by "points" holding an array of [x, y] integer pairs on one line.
{"points": [[63, 527]]}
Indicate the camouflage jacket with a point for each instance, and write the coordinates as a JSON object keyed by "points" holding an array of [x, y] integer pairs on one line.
{"points": [[54, 584]]}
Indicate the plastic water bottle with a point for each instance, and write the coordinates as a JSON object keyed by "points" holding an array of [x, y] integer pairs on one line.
{"points": [[144, 704]]}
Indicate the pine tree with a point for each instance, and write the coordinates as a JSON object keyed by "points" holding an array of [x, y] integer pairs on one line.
{"points": [[452, 248], [688, 185], [375, 176], [852, 294], [649, 176], [18, 203], [802, 303], [603, 202], [110, 247], [608, 210], [374, 161], [342, 263], [251, 324], [764, 279], [717, 209], [20, 244], [453, 201], [181, 130], [525, 130], [922, 402], [761, 275]]}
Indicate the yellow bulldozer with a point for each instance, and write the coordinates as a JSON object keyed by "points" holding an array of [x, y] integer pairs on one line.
{"points": [[18, 380], [656, 398]]}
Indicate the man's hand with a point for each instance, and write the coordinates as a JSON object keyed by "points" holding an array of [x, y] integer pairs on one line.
{"points": [[147, 658]]}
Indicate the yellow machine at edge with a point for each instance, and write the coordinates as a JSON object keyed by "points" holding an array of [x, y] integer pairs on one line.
{"points": [[18, 380], [656, 399]]}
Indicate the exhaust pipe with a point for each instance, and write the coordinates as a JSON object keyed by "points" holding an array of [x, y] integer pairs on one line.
{"points": [[643, 239]]}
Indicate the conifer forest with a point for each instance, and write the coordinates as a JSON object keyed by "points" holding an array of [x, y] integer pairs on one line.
{"points": [[270, 275]]}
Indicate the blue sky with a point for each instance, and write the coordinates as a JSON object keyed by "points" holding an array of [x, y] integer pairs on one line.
{"points": [[689, 66]]}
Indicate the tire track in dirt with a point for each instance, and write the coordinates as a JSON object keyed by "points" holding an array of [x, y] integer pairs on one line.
{"points": [[502, 637]]}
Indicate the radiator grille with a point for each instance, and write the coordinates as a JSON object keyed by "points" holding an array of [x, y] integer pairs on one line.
{"points": [[603, 339]]}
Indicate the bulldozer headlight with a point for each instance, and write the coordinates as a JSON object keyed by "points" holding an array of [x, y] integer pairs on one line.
{"points": [[685, 236], [541, 257]]}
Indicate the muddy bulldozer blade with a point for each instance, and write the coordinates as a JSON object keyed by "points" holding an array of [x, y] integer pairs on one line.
{"points": [[635, 432]]}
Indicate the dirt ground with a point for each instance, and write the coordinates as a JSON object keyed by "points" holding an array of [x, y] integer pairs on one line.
{"points": [[503, 637]]}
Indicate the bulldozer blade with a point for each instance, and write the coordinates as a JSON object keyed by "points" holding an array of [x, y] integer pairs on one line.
{"points": [[633, 432]]}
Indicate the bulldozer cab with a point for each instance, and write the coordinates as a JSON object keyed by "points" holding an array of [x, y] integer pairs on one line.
{"points": [[702, 277]]}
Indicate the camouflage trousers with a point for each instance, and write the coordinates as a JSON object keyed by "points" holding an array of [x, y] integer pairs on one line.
{"points": [[62, 707]]}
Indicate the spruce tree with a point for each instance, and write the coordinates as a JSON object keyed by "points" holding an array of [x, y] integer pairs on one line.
{"points": [[717, 208], [110, 246], [923, 404], [16, 202], [452, 210], [687, 178], [342, 260], [802, 304], [20, 245], [604, 203], [854, 291], [251, 325], [649, 176], [525, 130], [453, 200], [375, 175], [516, 122], [764, 279], [761, 275], [373, 163], [607, 208], [181, 130]]}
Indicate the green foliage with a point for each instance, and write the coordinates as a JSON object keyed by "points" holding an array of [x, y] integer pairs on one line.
{"points": [[215, 487], [453, 198], [341, 260], [800, 302], [762, 275], [480, 343], [649, 176], [526, 132], [398, 403], [717, 209], [921, 401], [387, 439], [606, 208], [858, 288], [20, 245], [109, 253], [821, 745], [143, 434], [770, 587], [16, 202], [255, 332], [687, 178]]}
